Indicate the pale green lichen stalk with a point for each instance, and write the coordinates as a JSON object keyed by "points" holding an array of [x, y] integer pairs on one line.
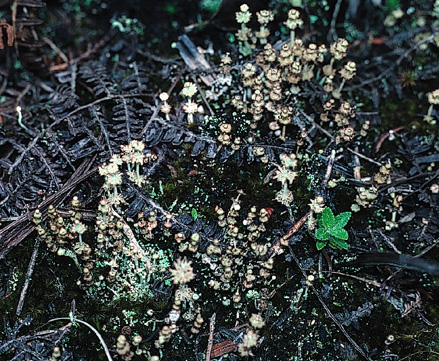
{"points": [[347, 73], [165, 108], [133, 156], [264, 17], [338, 50], [293, 22], [244, 34], [433, 99], [285, 175], [113, 179], [190, 107]]}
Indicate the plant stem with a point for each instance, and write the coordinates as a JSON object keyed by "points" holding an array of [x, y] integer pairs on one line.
{"points": [[96, 332]]}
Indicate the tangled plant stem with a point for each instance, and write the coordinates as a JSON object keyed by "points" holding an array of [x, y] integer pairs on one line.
{"points": [[96, 332]]}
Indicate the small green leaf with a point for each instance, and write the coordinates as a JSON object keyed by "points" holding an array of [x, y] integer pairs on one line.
{"points": [[319, 221], [320, 244], [339, 233], [342, 219], [328, 218], [322, 234], [194, 214], [338, 243], [313, 19]]}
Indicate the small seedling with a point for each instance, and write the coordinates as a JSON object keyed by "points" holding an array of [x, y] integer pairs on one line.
{"points": [[331, 230], [194, 214]]}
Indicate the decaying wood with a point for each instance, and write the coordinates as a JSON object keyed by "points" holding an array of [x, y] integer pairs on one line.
{"points": [[193, 58], [10, 35]]}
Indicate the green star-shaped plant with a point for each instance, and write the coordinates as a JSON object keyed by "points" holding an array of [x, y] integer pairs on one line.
{"points": [[331, 229]]}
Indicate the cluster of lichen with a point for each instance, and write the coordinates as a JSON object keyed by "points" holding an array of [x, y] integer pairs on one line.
{"points": [[235, 267], [274, 82], [63, 236], [121, 262], [127, 260], [269, 87]]}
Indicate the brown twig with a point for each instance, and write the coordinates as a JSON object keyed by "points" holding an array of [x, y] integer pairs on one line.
{"points": [[85, 55], [14, 19], [9, 33], [328, 173], [296, 227], [52, 336], [157, 108], [56, 49], [314, 124], [357, 167], [211, 332], [22, 94], [384, 136], [434, 175], [212, 113]]}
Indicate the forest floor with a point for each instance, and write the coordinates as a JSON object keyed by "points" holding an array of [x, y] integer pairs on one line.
{"points": [[196, 180]]}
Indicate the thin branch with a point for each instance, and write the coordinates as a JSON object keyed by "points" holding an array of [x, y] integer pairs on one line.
{"points": [[30, 271], [211, 332], [374, 283], [364, 157], [96, 332]]}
